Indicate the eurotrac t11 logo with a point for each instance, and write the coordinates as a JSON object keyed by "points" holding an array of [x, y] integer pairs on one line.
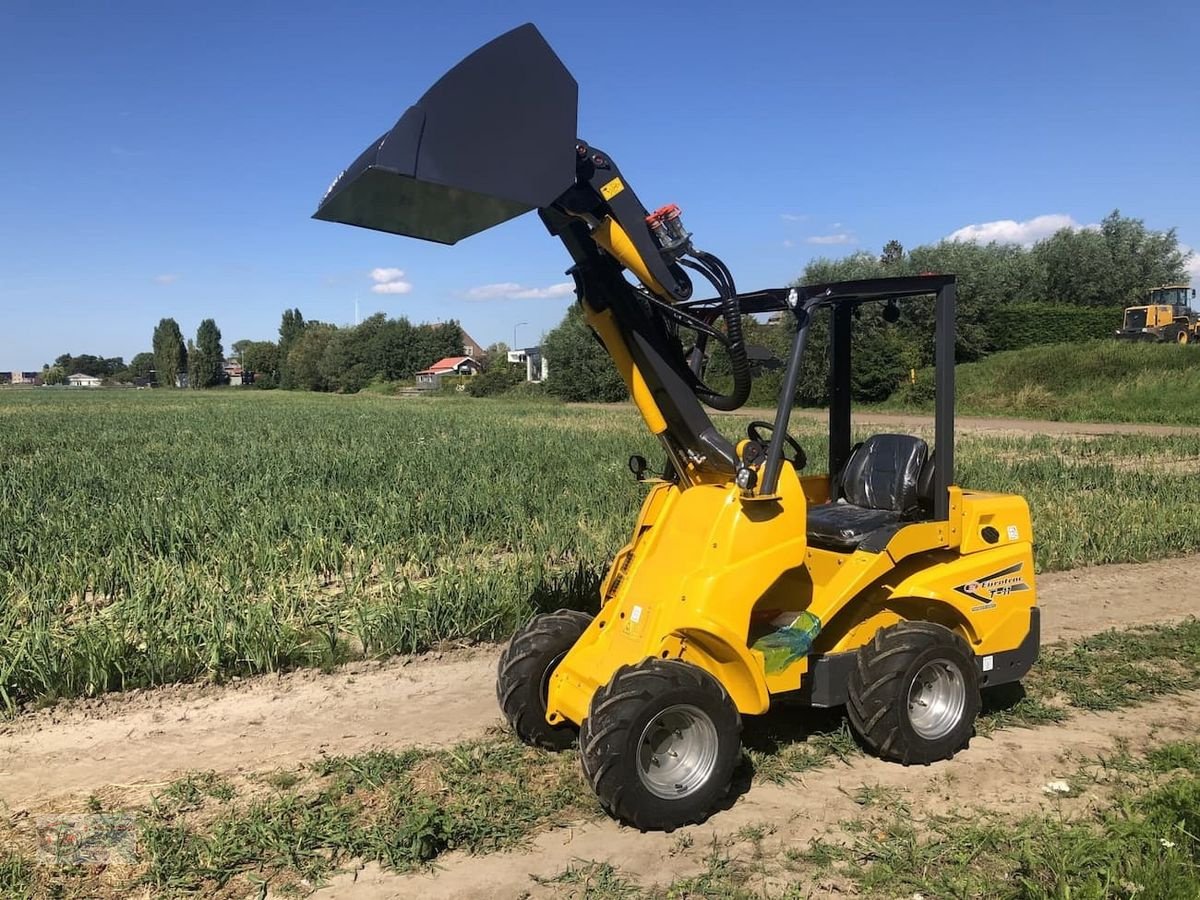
{"points": [[999, 584]]}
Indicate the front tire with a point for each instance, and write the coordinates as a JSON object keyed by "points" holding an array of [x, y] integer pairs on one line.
{"points": [[914, 693], [523, 676], [660, 744]]}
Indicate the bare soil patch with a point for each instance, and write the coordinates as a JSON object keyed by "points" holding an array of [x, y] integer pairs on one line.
{"points": [[1006, 774], [904, 421], [990, 424]]}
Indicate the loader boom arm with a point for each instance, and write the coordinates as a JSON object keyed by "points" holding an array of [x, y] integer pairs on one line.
{"points": [[494, 138]]}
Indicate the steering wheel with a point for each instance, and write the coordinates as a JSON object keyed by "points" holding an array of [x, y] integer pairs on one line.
{"points": [[799, 457]]}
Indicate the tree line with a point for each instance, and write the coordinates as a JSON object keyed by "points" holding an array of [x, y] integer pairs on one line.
{"points": [[198, 364], [105, 367], [1067, 287], [316, 356], [309, 355]]}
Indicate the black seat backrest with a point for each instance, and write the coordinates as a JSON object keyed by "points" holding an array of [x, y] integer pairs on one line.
{"points": [[883, 473], [925, 483]]}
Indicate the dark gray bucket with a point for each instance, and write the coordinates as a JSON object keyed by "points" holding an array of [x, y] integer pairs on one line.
{"points": [[493, 138]]}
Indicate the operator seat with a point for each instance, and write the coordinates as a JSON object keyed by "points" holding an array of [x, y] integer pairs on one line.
{"points": [[887, 480]]}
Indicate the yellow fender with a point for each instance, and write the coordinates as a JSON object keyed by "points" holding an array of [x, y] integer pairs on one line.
{"points": [[740, 670]]}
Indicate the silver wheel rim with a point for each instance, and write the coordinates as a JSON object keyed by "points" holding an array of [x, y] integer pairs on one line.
{"points": [[936, 699], [677, 752]]}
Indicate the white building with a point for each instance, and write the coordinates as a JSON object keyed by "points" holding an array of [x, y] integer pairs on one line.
{"points": [[535, 364], [81, 380]]}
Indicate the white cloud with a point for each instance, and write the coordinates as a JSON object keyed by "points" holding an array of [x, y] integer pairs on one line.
{"points": [[493, 291], [389, 281], [1008, 231], [789, 243], [561, 289], [166, 278], [510, 290], [391, 287], [1193, 265], [831, 239], [792, 217]]}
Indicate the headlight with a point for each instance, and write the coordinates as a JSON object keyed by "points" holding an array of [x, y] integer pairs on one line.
{"points": [[746, 478]]}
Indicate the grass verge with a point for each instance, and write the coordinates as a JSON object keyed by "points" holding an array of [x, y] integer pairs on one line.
{"points": [[405, 809], [1092, 381], [1141, 842], [1144, 844]]}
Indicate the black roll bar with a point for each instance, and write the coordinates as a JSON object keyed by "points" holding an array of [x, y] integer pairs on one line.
{"points": [[841, 298]]}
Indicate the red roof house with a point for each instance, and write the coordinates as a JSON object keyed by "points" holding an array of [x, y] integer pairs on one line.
{"points": [[451, 365]]}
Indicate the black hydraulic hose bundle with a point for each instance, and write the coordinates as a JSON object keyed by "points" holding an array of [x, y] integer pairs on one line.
{"points": [[718, 274]]}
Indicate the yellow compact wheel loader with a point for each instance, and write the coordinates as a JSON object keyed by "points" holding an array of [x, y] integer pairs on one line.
{"points": [[1167, 317], [880, 585]]}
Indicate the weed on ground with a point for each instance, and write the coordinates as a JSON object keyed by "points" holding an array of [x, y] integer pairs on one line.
{"points": [[406, 809]]}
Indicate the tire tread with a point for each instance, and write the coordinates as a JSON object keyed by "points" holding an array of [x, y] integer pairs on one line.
{"points": [[522, 663], [607, 732], [875, 706]]}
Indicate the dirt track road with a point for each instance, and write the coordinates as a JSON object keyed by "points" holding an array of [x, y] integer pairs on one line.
{"points": [[984, 424], [1005, 774], [907, 421], [145, 738]]}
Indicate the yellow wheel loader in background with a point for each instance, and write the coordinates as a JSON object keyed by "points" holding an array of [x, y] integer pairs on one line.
{"points": [[1167, 317], [880, 585]]}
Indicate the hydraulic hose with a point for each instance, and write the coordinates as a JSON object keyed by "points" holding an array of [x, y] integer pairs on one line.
{"points": [[719, 275]]}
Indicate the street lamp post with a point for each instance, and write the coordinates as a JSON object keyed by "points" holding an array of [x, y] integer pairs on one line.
{"points": [[515, 327]]}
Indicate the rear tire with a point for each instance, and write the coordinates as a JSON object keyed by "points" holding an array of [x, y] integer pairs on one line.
{"points": [[660, 744], [523, 676], [914, 693]]}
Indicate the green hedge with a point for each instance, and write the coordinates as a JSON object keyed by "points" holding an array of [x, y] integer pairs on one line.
{"points": [[498, 379], [1013, 326]]}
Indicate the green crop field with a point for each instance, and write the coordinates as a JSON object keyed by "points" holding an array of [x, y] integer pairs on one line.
{"points": [[151, 537]]}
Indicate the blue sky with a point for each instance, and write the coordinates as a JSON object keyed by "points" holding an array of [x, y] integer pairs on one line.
{"points": [[163, 159]]}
